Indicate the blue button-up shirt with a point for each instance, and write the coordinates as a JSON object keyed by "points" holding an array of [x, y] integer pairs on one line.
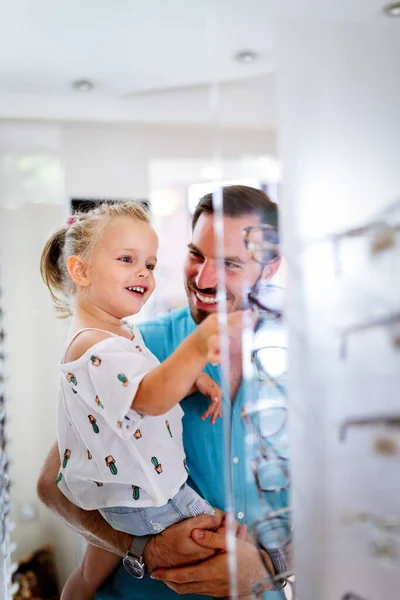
{"points": [[203, 445]]}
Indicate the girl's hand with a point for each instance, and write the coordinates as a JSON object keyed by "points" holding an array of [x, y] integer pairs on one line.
{"points": [[209, 330], [207, 386]]}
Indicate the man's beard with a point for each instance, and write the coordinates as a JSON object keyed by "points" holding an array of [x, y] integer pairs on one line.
{"points": [[198, 314]]}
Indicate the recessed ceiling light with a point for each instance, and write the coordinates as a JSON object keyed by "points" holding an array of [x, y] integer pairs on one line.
{"points": [[83, 85], [392, 9], [246, 56]]}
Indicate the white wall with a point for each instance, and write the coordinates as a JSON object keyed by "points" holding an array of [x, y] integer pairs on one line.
{"points": [[86, 160], [340, 146], [114, 160]]}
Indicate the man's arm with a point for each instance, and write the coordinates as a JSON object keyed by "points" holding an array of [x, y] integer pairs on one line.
{"points": [[88, 523], [172, 547]]}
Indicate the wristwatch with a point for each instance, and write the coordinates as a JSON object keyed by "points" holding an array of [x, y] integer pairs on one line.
{"points": [[133, 559]]}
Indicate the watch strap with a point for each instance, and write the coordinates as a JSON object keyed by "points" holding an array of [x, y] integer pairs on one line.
{"points": [[279, 563], [137, 546]]}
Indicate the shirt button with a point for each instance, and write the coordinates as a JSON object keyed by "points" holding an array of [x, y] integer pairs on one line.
{"points": [[236, 460], [240, 515]]}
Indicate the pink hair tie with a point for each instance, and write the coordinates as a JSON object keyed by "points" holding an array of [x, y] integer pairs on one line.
{"points": [[69, 222]]}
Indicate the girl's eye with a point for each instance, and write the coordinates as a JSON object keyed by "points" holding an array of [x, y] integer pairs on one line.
{"points": [[150, 267], [126, 259]]}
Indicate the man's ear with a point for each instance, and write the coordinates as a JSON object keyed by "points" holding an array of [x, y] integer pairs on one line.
{"points": [[271, 269], [78, 270]]}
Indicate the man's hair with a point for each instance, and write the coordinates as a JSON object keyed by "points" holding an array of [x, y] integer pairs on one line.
{"points": [[240, 200]]}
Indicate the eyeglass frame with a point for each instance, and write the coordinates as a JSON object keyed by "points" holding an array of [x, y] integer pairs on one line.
{"points": [[252, 294], [388, 321], [265, 227], [388, 420], [259, 368]]}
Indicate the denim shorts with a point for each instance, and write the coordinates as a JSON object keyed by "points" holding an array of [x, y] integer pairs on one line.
{"points": [[154, 519]]}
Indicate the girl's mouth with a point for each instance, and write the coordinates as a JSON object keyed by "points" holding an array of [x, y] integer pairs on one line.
{"points": [[137, 290]]}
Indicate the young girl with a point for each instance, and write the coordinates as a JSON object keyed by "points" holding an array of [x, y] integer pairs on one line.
{"points": [[119, 419]]}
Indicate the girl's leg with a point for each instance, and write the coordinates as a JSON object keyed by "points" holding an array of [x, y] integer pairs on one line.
{"points": [[97, 565]]}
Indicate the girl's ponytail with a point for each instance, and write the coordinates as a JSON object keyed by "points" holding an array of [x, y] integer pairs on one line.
{"points": [[54, 273]]}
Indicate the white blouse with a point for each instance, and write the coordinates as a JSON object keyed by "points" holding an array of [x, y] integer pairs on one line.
{"points": [[110, 454]]}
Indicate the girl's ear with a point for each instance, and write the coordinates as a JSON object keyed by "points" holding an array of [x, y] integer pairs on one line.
{"points": [[78, 270]]}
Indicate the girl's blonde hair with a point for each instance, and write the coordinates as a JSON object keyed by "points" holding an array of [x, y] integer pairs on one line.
{"points": [[78, 238]]}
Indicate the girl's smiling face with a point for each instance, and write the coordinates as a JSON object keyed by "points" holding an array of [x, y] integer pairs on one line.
{"points": [[121, 267]]}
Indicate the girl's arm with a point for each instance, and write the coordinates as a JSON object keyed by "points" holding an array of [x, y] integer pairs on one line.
{"points": [[97, 565], [173, 379], [163, 387]]}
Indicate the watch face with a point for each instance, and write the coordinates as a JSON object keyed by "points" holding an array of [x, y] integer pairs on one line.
{"points": [[133, 566]]}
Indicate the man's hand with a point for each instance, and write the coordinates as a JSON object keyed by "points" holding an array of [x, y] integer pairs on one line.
{"points": [[175, 546], [211, 577]]}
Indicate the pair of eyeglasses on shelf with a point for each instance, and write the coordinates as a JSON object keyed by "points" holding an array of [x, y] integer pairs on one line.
{"points": [[4, 493], [380, 230], [268, 300], [274, 533], [266, 420], [391, 322], [2, 408], [267, 414], [389, 524], [269, 460], [386, 441], [387, 421], [262, 243], [276, 582], [271, 366], [263, 246], [262, 311], [271, 474], [382, 237]]}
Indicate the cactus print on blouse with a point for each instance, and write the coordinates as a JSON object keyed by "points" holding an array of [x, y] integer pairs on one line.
{"points": [[96, 411]]}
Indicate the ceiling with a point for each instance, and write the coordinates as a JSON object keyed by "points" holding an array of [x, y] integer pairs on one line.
{"points": [[130, 48]]}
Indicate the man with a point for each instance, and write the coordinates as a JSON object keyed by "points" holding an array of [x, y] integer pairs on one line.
{"points": [[195, 542]]}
